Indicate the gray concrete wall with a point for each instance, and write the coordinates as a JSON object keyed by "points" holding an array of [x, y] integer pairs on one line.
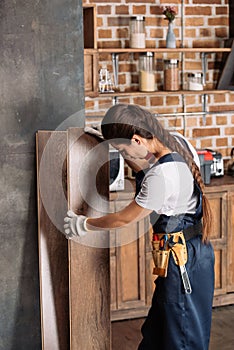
{"points": [[41, 84]]}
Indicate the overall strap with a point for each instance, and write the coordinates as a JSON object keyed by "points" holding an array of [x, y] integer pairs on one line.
{"points": [[170, 157], [164, 223]]}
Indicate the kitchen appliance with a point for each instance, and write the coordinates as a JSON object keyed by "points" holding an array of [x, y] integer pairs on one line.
{"points": [[206, 161], [217, 167], [211, 164], [230, 164], [116, 182]]}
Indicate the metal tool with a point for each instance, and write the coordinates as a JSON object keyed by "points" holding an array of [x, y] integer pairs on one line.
{"points": [[185, 279], [178, 246]]}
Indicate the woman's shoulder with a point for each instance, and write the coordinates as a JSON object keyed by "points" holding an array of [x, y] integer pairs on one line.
{"points": [[170, 166], [169, 159]]}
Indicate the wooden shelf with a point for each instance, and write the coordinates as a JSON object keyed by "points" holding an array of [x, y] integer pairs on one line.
{"points": [[92, 92], [160, 92], [165, 50]]}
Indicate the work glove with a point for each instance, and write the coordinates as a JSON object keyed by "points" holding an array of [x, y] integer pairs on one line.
{"points": [[74, 225]]}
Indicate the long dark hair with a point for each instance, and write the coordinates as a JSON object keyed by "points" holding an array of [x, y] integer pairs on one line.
{"points": [[122, 121]]}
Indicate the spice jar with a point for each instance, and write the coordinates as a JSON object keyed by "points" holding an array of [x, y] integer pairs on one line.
{"points": [[171, 75], [146, 72], [195, 81], [137, 32]]}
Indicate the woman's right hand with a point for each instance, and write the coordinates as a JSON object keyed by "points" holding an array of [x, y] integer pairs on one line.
{"points": [[74, 225]]}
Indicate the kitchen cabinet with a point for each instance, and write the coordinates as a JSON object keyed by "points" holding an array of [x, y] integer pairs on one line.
{"points": [[221, 195], [128, 266], [132, 281]]}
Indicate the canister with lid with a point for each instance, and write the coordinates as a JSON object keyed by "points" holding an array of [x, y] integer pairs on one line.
{"points": [[137, 32], [195, 81], [146, 72], [171, 75]]}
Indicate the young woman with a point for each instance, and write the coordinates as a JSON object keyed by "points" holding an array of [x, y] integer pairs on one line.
{"points": [[171, 191]]}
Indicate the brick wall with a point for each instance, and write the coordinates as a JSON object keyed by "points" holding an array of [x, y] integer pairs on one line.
{"points": [[199, 23]]}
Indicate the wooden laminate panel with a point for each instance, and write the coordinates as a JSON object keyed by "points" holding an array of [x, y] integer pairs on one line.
{"points": [[88, 187], [53, 252]]}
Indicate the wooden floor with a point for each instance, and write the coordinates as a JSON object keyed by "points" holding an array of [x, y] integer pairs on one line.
{"points": [[126, 335]]}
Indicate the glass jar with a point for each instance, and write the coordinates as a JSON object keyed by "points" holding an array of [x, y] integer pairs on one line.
{"points": [[195, 81], [146, 72], [171, 75], [137, 32]]}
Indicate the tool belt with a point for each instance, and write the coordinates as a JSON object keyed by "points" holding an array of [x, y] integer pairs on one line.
{"points": [[175, 243]]}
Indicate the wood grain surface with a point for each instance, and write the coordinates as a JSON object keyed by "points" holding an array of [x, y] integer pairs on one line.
{"points": [[53, 250], [88, 188]]}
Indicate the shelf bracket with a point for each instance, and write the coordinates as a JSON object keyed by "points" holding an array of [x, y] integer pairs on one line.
{"points": [[114, 100], [204, 108], [204, 97], [204, 67], [115, 65]]}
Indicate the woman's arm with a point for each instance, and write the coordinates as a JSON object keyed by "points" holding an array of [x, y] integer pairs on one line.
{"points": [[130, 214]]}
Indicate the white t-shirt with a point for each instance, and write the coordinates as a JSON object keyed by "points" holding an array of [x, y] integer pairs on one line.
{"points": [[168, 189]]}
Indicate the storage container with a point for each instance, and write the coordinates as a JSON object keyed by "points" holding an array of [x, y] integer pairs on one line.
{"points": [[171, 75], [146, 72], [195, 81], [137, 32]]}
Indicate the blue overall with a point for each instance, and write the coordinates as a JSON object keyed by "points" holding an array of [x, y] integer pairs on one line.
{"points": [[176, 320]]}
